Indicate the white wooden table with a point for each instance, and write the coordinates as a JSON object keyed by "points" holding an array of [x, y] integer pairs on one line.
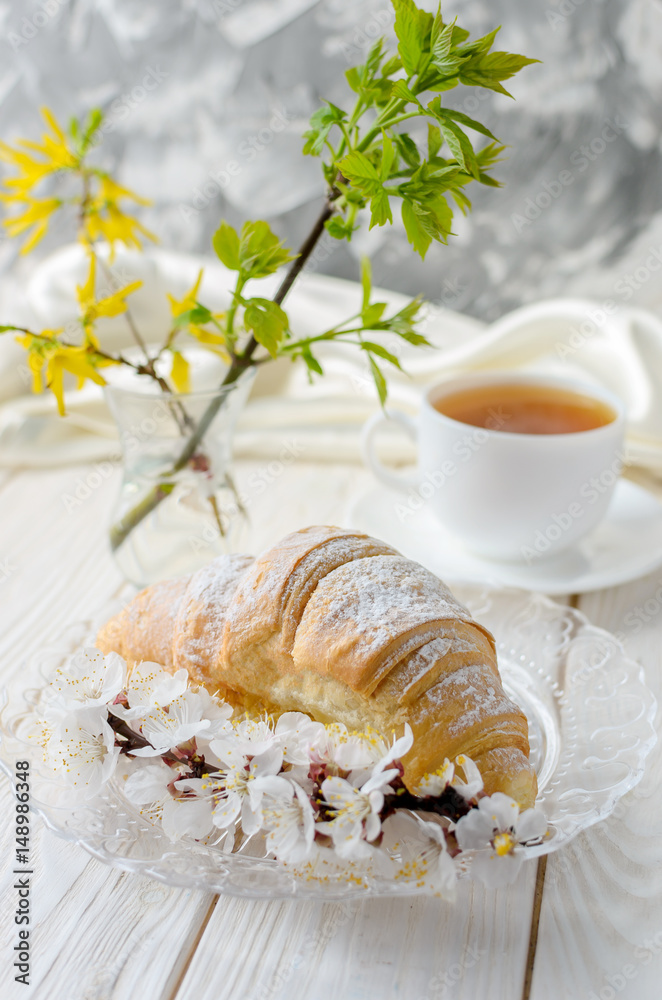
{"points": [[101, 934]]}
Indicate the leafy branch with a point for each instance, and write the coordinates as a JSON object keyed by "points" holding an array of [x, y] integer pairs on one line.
{"points": [[370, 163]]}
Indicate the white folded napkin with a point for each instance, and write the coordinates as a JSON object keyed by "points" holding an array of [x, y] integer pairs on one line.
{"points": [[617, 347]]}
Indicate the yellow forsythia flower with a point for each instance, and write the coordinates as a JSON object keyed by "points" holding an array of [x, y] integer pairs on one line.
{"points": [[109, 305], [179, 306], [180, 372], [37, 214], [212, 340], [75, 360], [104, 218], [54, 154], [101, 214], [44, 349]]}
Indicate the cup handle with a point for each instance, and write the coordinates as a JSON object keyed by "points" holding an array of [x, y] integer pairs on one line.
{"points": [[402, 483]]}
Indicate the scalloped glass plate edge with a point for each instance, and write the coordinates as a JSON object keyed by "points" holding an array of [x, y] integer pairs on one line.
{"points": [[567, 675]]}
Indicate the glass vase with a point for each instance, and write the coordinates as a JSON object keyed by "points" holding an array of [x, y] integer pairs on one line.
{"points": [[178, 505]]}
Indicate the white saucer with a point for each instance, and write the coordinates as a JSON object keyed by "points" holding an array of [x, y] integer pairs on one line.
{"points": [[627, 544]]}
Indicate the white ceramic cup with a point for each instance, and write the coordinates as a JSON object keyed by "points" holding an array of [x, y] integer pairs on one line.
{"points": [[507, 496]]}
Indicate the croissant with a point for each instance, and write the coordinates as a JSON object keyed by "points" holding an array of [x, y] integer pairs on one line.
{"points": [[339, 625]]}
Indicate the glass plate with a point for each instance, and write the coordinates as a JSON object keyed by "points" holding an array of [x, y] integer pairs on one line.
{"points": [[590, 722]]}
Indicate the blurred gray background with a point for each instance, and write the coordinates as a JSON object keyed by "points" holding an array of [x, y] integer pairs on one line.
{"points": [[207, 99]]}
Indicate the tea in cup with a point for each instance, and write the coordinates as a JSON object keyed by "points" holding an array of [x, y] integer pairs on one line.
{"points": [[514, 466]]}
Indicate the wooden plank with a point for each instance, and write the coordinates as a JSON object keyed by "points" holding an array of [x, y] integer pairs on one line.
{"points": [[377, 949], [97, 932], [601, 923]]}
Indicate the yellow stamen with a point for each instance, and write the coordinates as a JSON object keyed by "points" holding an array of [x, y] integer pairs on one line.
{"points": [[503, 843]]}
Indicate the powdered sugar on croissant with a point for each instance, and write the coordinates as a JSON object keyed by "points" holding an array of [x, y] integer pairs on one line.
{"points": [[339, 625]]}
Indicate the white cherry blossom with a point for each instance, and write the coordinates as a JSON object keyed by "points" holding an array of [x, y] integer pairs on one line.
{"points": [[355, 813], [83, 753], [217, 711], [357, 752], [244, 738], [423, 854], [289, 820], [167, 728], [387, 755], [238, 789], [186, 812], [149, 686], [298, 734], [473, 780], [497, 829], [437, 781], [89, 680]]}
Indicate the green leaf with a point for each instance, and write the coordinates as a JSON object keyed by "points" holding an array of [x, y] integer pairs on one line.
{"points": [[260, 251], [402, 322], [505, 64], [199, 315], [372, 314], [378, 92], [94, 121], [408, 29], [417, 233], [380, 381], [358, 169], [458, 116], [426, 221], [381, 352], [408, 149], [311, 361], [6, 329], [444, 58], [438, 83], [366, 282], [416, 339], [339, 228], [353, 78], [401, 90], [461, 200], [391, 66], [490, 155], [481, 45], [459, 145], [488, 70], [459, 35], [431, 179], [388, 155], [375, 57], [225, 242], [380, 209], [440, 216], [321, 122], [267, 322], [434, 140]]}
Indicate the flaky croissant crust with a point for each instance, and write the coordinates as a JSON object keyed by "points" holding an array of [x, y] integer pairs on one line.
{"points": [[339, 625]]}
